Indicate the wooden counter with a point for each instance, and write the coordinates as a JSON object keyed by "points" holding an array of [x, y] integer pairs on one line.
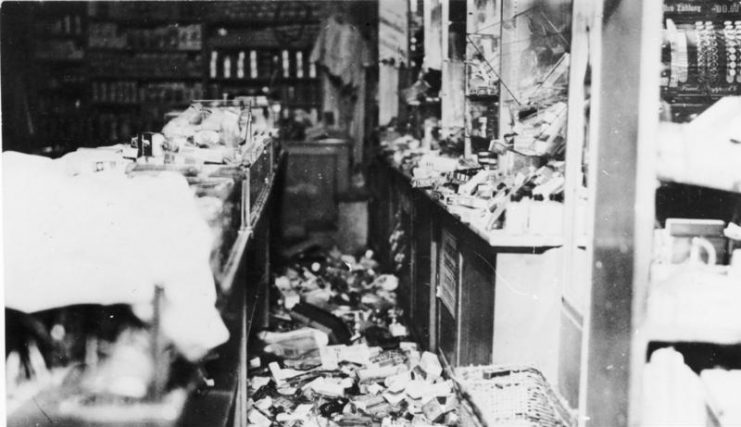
{"points": [[475, 297]]}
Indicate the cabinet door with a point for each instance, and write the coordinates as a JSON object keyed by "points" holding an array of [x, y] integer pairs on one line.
{"points": [[476, 302], [421, 277], [315, 174], [449, 261], [465, 319]]}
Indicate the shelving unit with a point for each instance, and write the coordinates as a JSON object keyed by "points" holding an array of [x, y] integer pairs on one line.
{"points": [[599, 334], [482, 75], [58, 56], [271, 44], [168, 45], [628, 86]]}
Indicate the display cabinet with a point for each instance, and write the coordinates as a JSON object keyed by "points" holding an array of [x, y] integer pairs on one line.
{"points": [[211, 391]]}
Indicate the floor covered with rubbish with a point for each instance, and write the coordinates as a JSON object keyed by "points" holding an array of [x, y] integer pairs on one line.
{"points": [[337, 352]]}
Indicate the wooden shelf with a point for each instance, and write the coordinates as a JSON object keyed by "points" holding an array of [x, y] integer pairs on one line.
{"points": [[482, 97], [263, 80], [426, 102], [74, 37], [302, 104], [229, 21], [685, 305], [502, 238], [115, 104], [302, 45], [700, 182], [494, 238], [94, 76], [73, 61], [145, 21], [105, 49], [675, 334]]}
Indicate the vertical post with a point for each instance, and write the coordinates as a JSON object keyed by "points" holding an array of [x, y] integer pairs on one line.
{"points": [[434, 284], [265, 282], [246, 202], [595, 58], [628, 95], [574, 286], [240, 404], [161, 362]]}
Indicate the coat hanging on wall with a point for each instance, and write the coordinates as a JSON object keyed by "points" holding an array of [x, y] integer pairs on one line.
{"points": [[343, 55]]}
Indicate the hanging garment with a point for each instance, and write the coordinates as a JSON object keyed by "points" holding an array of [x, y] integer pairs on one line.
{"points": [[341, 50]]}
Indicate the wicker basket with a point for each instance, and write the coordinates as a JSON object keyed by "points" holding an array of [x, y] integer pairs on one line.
{"points": [[509, 396]]}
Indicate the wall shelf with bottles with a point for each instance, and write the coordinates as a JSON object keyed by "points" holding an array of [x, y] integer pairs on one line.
{"points": [[286, 73], [58, 55], [112, 45]]}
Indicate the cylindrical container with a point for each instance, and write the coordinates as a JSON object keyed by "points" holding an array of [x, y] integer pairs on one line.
{"points": [[150, 144], [487, 160]]}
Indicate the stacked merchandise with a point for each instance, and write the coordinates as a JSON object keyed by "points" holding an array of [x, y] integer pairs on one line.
{"points": [[336, 353], [220, 131], [171, 65], [527, 202], [109, 35]]}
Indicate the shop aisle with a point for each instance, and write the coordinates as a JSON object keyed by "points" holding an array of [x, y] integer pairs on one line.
{"points": [[337, 352], [337, 348]]}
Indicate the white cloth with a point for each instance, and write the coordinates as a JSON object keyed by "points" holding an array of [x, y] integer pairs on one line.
{"points": [[106, 238], [341, 49]]}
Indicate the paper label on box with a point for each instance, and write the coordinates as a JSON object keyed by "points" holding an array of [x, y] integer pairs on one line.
{"points": [[330, 356]]}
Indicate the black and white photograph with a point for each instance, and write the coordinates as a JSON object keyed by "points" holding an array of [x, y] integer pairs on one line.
{"points": [[370, 213]]}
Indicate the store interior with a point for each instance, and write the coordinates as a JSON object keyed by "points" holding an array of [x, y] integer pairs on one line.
{"points": [[382, 213]]}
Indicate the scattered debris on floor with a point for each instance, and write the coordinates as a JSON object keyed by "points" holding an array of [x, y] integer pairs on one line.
{"points": [[338, 354]]}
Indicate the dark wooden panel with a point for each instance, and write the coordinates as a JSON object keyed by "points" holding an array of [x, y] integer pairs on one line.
{"points": [[448, 335], [476, 309], [378, 210], [422, 240], [310, 190], [316, 174]]}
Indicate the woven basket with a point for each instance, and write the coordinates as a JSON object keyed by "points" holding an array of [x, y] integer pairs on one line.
{"points": [[509, 396]]}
